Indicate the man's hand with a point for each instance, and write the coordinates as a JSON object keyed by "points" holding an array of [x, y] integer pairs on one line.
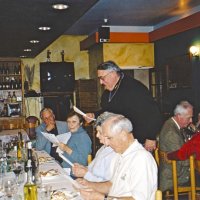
{"points": [[164, 158], [90, 194], [79, 170], [64, 147], [50, 126], [150, 145], [83, 182]]}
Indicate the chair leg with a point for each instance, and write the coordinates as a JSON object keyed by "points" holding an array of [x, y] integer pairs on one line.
{"points": [[175, 182], [192, 177]]}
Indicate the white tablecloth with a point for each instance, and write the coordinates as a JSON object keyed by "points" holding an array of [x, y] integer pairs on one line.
{"points": [[60, 181], [7, 135]]}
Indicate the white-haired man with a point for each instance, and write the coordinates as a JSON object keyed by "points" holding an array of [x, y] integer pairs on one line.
{"points": [[171, 139], [135, 170]]}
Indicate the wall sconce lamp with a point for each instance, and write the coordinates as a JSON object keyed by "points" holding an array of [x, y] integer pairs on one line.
{"points": [[194, 50]]}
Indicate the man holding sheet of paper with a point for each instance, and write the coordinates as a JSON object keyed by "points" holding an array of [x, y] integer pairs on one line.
{"points": [[49, 125], [69, 136]]}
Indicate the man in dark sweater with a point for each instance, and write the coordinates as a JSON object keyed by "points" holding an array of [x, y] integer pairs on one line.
{"points": [[129, 97]]}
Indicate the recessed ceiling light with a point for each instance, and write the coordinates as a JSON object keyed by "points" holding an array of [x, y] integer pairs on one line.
{"points": [[34, 41], [60, 6], [27, 50], [44, 28]]}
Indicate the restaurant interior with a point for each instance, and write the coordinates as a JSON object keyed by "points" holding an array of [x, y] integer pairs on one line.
{"points": [[156, 42]]}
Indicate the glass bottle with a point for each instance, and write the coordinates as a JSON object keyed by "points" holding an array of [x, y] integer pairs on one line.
{"points": [[14, 98], [30, 156], [30, 188], [19, 146], [9, 98]]}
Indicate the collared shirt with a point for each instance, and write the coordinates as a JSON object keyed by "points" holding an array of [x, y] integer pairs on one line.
{"points": [[135, 174], [176, 123], [101, 167]]}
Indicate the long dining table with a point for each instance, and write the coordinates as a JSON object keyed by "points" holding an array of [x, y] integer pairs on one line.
{"points": [[52, 174]]}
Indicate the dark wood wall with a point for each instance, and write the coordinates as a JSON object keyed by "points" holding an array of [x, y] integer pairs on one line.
{"points": [[172, 59]]}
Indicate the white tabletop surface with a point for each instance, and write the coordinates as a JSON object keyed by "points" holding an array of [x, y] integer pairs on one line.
{"points": [[60, 181], [7, 135]]}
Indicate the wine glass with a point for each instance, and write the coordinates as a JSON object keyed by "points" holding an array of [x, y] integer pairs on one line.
{"points": [[17, 168], [10, 187]]}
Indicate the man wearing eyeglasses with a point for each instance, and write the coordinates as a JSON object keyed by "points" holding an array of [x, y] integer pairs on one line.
{"points": [[49, 125], [129, 97], [134, 169]]}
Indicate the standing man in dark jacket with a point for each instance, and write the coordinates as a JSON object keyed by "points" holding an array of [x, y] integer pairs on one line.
{"points": [[129, 97]]}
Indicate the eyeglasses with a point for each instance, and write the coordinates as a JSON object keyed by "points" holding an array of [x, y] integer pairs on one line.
{"points": [[104, 77]]}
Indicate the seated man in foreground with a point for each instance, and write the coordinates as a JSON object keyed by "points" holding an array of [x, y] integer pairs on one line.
{"points": [[135, 170]]}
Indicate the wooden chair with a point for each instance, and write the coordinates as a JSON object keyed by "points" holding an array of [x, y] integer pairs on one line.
{"points": [[158, 195], [31, 123], [191, 190]]}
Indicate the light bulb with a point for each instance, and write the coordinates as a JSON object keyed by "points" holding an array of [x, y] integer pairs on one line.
{"points": [[194, 50]]}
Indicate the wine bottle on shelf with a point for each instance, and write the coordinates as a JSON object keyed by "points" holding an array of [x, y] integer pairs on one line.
{"points": [[1, 85], [18, 69], [15, 69], [3, 70], [30, 188], [9, 98], [14, 98], [6, 70]]}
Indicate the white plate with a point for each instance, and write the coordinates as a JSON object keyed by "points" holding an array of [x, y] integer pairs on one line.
{"points": [[64, 195]]}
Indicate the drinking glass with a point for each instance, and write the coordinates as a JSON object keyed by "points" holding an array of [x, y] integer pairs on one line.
{"points": [[44, 192], [10, 187], [18, 169]]}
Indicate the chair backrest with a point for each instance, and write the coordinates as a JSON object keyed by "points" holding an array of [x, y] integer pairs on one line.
{"points": [[156, 156], [31, 123], [158, 195], [191, 190], [192, 187]]}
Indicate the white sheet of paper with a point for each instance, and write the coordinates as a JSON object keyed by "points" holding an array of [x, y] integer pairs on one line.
{"points": [[65, 159], [64, 137], [82, 113], [59, 138], [51, 137]]}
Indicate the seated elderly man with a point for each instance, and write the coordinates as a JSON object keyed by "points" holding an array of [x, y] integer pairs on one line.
{"points": [[49, 125], [135, 170], [171, 139], [100, 169]]}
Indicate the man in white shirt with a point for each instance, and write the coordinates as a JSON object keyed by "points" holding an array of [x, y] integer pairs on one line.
{"points": [[101, 167], [135, 170]]}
